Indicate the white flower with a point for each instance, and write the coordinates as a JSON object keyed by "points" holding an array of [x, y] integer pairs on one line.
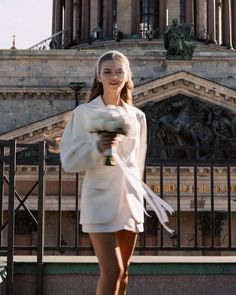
{"points": [[112, 119]]}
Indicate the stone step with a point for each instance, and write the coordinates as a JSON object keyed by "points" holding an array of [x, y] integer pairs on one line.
{"points": [[166, 275], [144, 44]]}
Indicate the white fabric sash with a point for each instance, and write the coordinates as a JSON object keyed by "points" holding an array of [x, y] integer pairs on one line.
{"points": [[156, 203]]}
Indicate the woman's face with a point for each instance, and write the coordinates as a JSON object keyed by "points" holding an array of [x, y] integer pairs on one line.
{"points": [[113, 75]]}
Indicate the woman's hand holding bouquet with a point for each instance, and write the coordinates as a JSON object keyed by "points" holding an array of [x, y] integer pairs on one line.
{"points": [[109, 123]]}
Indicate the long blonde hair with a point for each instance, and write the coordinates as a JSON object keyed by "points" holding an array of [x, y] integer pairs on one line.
{"points": [[97, 87]]}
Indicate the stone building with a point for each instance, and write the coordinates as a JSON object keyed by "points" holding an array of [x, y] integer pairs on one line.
{"points": [[214, 21], [37, 95]]}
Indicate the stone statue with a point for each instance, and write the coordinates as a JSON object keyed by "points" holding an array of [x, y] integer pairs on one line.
{"points": [[178, 41]]}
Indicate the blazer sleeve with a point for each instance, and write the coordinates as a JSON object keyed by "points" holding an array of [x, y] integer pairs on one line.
{"points": [[78, 148], [143, 144]]}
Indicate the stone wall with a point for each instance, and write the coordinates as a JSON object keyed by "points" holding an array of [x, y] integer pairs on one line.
{"points": [[56, 68], [21, 109], [35, 84]]}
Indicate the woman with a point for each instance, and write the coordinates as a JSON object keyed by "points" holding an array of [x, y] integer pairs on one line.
{"points": [[111, 208]]}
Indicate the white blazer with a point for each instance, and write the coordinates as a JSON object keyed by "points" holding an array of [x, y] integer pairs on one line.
{"points": [[103, 185]]}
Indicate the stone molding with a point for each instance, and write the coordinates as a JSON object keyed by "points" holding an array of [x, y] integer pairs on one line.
{"points": [[38, 131], [177, 83], [36, 92], [187, 84]]}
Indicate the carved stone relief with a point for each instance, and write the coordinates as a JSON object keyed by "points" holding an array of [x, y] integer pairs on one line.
{"points": [[184, 121]]}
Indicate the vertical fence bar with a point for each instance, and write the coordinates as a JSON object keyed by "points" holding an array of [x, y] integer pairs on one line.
{"points": [[161, 195], [195, 195], [212, 208], [41, 215], [1, 189], [11, 217], [59, 208], [229, 205], [77, 211], [142, 238], [178, 204]]}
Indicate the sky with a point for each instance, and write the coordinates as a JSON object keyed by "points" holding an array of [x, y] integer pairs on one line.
{"points": [[29, 20]]}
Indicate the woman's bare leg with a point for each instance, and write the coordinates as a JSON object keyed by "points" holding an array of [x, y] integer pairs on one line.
{"points": [[110, 262], [127, 241], [114, 251]]}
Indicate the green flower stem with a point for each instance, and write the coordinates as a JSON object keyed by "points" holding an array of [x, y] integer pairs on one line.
{"points": [[110, 161]]}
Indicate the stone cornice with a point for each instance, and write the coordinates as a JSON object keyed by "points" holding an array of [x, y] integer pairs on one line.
{"points": [[9, 92], [20, 89], [171, 85], [187, 84], [38, 131]]}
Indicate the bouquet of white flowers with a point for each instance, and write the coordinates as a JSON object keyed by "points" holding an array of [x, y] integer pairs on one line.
{"points": [[113, 119]]}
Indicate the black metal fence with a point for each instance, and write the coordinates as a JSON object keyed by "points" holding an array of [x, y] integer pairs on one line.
{"points": [[200, 184], [201, 189], [8, 166]]}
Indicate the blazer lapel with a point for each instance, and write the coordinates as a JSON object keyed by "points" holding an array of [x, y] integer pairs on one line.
{"points": [[128, 142], [97, 102]]}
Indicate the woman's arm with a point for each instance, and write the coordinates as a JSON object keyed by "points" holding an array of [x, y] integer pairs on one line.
{"points": [[78, 147]]}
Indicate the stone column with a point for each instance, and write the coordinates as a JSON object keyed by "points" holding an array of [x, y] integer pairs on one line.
{"points": [[69, 19], [135, 17], [234, 24], [107, 24], [93, 14], [68, 14], [162, 16], [227, 24], [124, 16], [201, 19], [173, 9], [85, 20], [76, 21], [219, 21], [58, 16], [56, 42], [53, 16], [189, 12], [211, 21]]}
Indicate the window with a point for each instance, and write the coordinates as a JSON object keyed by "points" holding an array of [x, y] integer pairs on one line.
{"points": [[149, 14]]}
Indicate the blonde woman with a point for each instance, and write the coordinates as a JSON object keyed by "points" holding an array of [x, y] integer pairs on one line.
{"points": [[111, 208]]}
